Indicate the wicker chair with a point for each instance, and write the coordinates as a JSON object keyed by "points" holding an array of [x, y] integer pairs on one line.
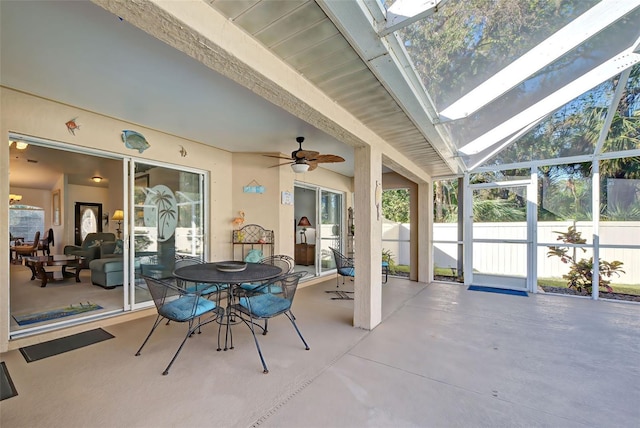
{"points": [[176, 304], [270, 300]]}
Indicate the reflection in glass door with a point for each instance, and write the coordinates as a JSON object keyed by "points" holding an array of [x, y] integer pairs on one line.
{"points": [[501, 235], [167, 220], [330, 230]]}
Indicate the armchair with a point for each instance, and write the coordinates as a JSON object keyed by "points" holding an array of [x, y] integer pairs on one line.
{"points": [[90, 247]]}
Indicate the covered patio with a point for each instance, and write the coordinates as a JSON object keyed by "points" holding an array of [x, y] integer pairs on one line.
{"points": [[444, 356]]}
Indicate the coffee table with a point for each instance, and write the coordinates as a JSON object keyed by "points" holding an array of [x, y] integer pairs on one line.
{"points": [[38, 263]]}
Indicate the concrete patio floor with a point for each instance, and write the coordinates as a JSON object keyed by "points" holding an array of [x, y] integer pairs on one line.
{"points": [[444, 356]]}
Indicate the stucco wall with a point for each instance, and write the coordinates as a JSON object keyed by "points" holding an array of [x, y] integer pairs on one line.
{"points": [[37, 117]]}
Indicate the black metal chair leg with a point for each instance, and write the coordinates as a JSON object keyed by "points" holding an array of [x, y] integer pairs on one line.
{"points": [[255, 339], [292, 319], [155, 324], [189, 333]]}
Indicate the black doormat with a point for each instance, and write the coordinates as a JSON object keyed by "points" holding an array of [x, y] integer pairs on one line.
{"points": [[64, 344], [7, 388]]}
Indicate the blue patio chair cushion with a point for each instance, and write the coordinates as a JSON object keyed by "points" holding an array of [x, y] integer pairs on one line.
{"points": [[182, 309], [265, 305], [347, 271], [385, 264], [250, 287], [206, 289]]}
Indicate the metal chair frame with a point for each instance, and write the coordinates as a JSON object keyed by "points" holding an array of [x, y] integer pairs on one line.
{"points": [[286, 286], [165, 293]]}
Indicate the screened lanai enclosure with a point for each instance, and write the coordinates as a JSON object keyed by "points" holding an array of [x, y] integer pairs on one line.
{"points": [[540, 102]]}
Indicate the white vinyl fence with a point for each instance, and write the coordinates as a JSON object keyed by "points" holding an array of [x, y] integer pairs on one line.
{"points": [[511, 259]]}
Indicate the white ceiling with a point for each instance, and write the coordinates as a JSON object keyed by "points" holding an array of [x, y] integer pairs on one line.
{"points": [[77, 53]]}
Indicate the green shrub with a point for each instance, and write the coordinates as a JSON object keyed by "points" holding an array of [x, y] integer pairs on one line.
{"points": [[580, 275]]}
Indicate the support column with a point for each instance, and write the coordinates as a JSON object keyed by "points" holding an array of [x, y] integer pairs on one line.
{"points": [[367, 307], [425, 208]]}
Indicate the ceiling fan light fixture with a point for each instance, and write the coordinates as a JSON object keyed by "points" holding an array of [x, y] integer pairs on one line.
{"points": [[299, 168]]}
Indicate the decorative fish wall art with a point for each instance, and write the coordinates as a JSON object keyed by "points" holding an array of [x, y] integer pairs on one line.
{"points": [[134, 140], [72, 126]]}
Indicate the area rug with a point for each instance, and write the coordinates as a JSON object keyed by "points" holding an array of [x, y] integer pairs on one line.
{"points": [[497, 290], [64, 344], [74, 309], [7, 388]]}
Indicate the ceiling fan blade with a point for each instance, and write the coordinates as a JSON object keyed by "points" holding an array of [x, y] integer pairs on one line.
{"points": [[282, 164], [312, 165], [306, 154], [278, 157], [328, 159]]}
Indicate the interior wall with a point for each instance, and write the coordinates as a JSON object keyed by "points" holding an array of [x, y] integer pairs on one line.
{"points": [[41, 118]]}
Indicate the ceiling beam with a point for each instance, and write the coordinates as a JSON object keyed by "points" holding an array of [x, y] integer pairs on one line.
{"points": [[405, 12]]}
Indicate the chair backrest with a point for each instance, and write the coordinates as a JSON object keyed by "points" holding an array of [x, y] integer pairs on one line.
{"points": [[91, 238], [182, 261], [285, 286], [36, 240], [161, 291], [284, 262], [341, 260]]}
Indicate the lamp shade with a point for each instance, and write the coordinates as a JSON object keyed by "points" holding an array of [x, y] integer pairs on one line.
{"points": [[118, 215], [299, 167], [304, 222]]}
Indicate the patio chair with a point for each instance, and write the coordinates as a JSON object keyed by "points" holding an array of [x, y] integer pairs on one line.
{"points": [[345, 268], [204, 289], [176, 304], [270, 300]]}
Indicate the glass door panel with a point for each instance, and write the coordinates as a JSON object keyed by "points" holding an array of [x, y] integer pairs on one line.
{"points": [[330, 230], [168, 220]]}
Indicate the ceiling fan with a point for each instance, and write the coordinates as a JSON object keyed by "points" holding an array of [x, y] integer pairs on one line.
{"points": [[306, 160]]}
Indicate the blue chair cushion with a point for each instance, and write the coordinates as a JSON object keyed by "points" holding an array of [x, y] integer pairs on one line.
{"points": [[206, 289], [182, 309], [385, 264], [347, 271], [253, 256], [265, 305], [250, 287]]}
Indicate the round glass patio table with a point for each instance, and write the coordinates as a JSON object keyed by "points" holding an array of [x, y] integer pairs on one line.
{"points": [[210, 274]]}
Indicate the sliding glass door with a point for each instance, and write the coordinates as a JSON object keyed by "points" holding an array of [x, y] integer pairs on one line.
{"points": [[330, 230], [167, 219]]}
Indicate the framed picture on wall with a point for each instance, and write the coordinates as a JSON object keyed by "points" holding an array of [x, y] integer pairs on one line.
{"points": [[56, 211]]}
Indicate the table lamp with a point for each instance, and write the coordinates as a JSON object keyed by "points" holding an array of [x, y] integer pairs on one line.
{"points": [[118, 216], [304, 223]]}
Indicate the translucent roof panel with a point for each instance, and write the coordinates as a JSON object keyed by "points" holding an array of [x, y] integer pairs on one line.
{"points": [[468, 41], [496, 70], [624, 133], [572, 130]]}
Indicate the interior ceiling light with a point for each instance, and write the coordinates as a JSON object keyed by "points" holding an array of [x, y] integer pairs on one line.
{"points": [[14, 198], [299, 168], [96, 178], [21, 145]]}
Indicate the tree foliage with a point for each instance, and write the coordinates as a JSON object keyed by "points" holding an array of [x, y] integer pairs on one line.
{"points": [[396, 205]]}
